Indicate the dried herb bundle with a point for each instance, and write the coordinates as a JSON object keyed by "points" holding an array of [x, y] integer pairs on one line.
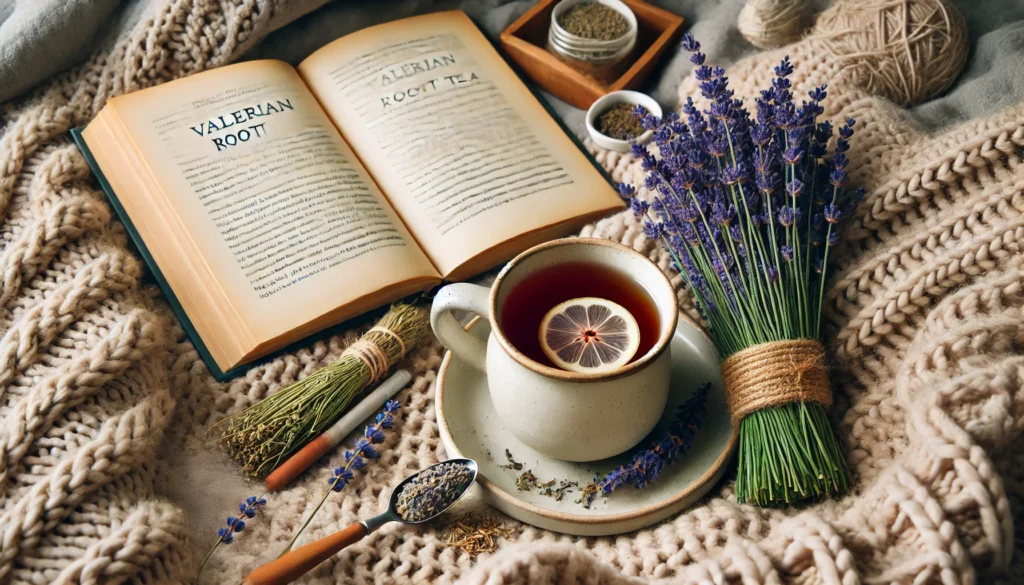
{"points": [[265, 434]]}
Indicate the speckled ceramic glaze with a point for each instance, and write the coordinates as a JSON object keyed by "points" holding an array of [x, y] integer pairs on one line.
{"points": [[566, 415]]}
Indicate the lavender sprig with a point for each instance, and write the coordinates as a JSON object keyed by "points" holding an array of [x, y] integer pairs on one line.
{"points": [[355, 459], [235, 524], [748, 206], [646, 466]]}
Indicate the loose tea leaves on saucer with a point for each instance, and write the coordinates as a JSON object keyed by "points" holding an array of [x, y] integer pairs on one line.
{"points": [[512, 463], [619, 122], [528, 482], [433, 490], [564, 487], [591, 20]]}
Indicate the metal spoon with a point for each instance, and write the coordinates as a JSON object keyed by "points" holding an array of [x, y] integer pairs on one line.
{"points": [[296, 563]]}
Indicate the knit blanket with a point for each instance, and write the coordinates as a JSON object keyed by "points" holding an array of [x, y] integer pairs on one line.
{"points": [[104, 403]]}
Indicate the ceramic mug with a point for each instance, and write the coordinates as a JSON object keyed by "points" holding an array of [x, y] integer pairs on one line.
{"points": [[566, 415]]}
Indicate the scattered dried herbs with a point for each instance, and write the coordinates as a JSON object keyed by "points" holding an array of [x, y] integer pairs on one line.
{"points": [[645, 466], [476, 534], [512, 463], [527, 481], [565, 486], [592, 20], [620, 122], [433, 490]]}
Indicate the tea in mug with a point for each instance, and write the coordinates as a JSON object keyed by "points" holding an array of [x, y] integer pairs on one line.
{"points": [[531, 299]]}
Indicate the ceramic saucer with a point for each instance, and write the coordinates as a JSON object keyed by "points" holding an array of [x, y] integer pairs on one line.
{"points": [[470, 427]]}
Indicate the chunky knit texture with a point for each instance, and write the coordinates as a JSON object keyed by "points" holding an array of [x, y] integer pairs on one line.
{"points": [[924, 317]]}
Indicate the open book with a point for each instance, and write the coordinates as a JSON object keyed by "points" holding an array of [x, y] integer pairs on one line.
{"points": [[272, 202]]}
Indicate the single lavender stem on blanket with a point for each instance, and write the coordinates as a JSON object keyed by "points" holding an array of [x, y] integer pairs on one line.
{"points": [[748, 209], [354, 460], [235, 524], [264, 435]]}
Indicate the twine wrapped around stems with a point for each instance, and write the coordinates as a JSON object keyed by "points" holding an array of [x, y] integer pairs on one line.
{"points": [[264, 435], [778, 395], [774, 374]]}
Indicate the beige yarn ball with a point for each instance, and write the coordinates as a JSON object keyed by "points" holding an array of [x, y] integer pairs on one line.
{"points": [[905, 50], [768, 24]]}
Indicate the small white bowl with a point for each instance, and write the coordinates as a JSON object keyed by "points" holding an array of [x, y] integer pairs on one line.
{"points": [[608, 100]]}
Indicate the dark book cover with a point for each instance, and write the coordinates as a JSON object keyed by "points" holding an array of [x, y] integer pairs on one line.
{"points": [[154, 269]]}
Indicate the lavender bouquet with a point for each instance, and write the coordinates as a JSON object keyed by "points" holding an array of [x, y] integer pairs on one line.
{"points": [[748, 209]]}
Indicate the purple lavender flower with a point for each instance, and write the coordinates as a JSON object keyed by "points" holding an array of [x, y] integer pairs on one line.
{"points": [[723, 214], [784, 69], [735, 174], [736, 233], [689, 43], [734, 189], [638, 150], [639, 207], [795, 187], [832, 213], [847, 129], [654, 230], [787, 216], [235, 524], [648, 120], [793, 155], [357, 458], [837, 176], [760, 134], [251, 505]]}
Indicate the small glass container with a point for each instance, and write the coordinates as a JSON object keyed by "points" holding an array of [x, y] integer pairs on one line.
{"points": [[604, 60]]}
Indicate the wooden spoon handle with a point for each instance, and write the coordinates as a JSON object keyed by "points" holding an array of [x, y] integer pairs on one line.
{"points": [[296, 563]]}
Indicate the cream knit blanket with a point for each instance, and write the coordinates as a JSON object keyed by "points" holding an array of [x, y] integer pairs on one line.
{"points": [[925, 313]]}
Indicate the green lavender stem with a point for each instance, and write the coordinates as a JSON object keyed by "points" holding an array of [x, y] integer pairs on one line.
{"points": [[795, 452]]}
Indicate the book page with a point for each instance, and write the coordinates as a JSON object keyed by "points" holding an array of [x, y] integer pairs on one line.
{"points": [[272, 199], [466, 154]]}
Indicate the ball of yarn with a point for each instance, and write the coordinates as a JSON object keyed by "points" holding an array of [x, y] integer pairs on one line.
{"points": [[768, 24], [905, 50]]}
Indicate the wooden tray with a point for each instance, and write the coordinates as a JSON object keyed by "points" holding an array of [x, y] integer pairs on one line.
{"points": [[525, 39]]}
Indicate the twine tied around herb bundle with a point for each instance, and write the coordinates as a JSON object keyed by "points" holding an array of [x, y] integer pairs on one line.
{"points": [[268, 432], [774, 374], [375, 354]]}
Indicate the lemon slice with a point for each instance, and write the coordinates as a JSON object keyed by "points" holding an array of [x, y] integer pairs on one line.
{"points": [[589, 335]]}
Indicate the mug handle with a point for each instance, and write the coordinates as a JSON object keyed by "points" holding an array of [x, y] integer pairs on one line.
{"points": [[467, 297]]}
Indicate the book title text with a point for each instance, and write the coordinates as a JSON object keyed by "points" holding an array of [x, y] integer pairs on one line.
{"points": [[223, 122]]}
